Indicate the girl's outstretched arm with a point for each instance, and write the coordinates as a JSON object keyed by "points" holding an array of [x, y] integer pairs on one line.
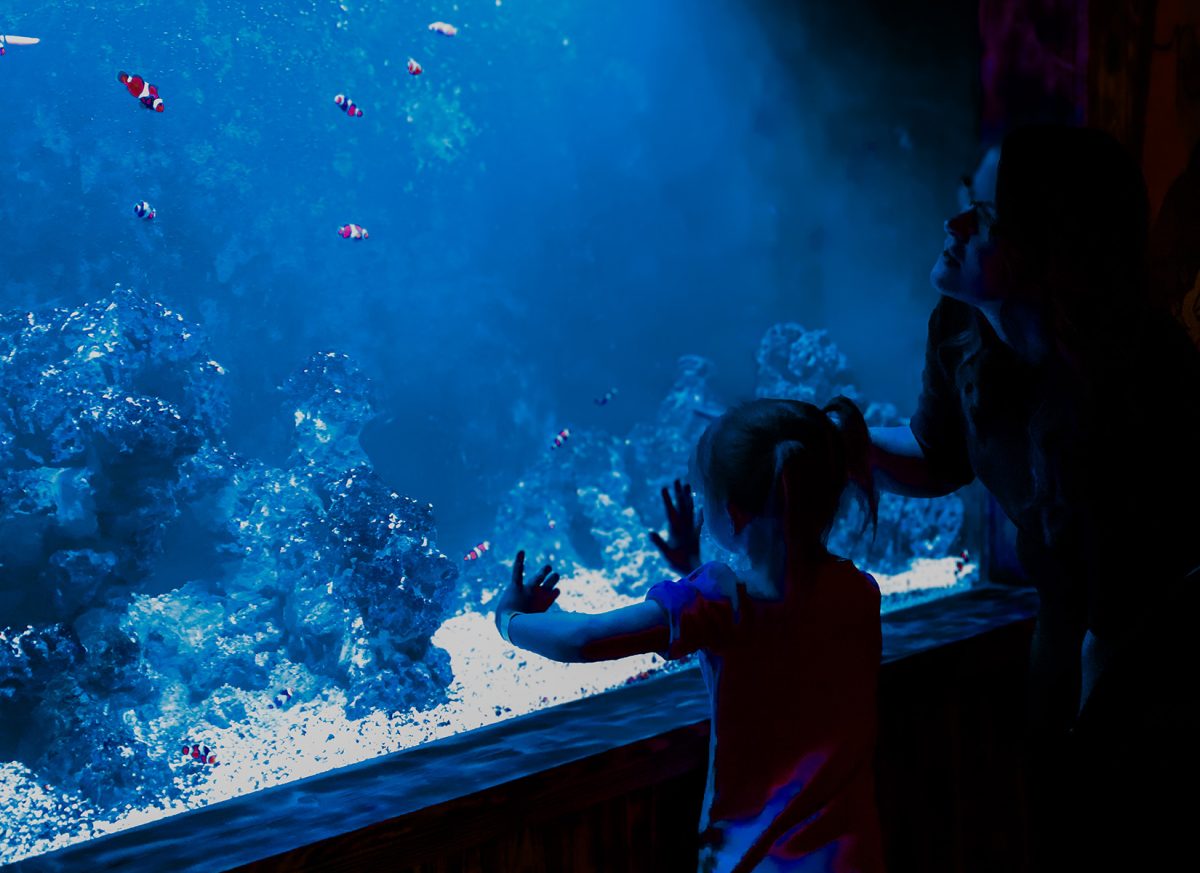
{"points": [[574, 636]]}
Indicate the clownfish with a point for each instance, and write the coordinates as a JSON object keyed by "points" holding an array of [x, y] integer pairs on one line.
{"points": [[200, 754], [608, 395], [352, 231], [10, 39], [961, 562], [550, 521], [144, 211], [443, 28], [142, 90], [476, 553], [284, 695], [560, 438], [348, 106], [413, 67]]}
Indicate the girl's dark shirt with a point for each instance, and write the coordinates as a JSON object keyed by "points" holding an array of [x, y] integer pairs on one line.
{"points": [[1101, 480], [792, 682]]}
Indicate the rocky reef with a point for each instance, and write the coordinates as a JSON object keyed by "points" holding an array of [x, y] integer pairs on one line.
{"points": [[806, 365], [591, 504], [158, 588], [156, 585]]}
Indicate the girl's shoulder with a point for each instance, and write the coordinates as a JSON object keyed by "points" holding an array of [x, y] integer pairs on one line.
{"points": [[714, 580]]}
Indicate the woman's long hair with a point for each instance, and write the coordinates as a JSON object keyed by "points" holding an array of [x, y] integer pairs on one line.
{"points": [[1072, 226]]}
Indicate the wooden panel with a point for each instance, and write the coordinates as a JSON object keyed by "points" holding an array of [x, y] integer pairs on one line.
{"points": [[950, 789], [1121, 36], [950, 769], [416, 790]]}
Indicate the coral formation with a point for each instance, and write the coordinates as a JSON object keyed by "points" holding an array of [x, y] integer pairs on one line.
{"points": [[158, 584], [161, 588]]}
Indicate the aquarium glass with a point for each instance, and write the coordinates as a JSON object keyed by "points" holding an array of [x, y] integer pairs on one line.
{"points": [[387, 291]]}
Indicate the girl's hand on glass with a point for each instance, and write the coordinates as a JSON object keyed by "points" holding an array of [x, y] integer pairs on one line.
{"points": [[682, 547], [536, 595]]}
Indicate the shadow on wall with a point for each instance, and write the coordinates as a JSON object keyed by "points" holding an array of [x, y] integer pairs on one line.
{"points": [[1171, 160], [1034, 62]]}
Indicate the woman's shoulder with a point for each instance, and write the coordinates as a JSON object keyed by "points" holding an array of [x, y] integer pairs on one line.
{"points": [[949, 319], [954, 333]]}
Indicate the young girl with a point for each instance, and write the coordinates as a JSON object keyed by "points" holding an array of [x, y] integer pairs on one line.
{"points": [[789, 648]]}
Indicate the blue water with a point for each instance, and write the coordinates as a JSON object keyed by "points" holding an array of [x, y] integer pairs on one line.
{"points": [[240, 453]]}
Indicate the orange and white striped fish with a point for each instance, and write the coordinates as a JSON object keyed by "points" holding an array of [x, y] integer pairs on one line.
{"points": [[352, 231], [200, 754], [348, 106], [414, 68], [476, 553], [146, 93], [560, 438], [443, 28]]}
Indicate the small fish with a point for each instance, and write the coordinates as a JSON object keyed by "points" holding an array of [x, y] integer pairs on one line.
{"points": [[348, 106], [443, 28], [560, 438], [144, 211], [476, 553], [413, 67], [550, 521], [142, 90], [200, 754], [961, 562], [284, 695], [10, 39], [608, 395], [352, 231]]}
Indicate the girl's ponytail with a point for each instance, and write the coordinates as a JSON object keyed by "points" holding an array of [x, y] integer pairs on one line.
{"points": [[855, 437], [785, 465]]}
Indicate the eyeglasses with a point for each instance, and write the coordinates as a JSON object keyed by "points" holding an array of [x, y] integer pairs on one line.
{"points": [[985, 215], [984, 211]]}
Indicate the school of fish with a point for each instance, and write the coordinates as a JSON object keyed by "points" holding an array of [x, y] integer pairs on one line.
{"points": [[147, 94]]}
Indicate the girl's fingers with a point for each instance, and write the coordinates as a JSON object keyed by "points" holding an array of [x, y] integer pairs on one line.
{"points": [[518, 569], [667, 505], [540, 577], [551, 581]]}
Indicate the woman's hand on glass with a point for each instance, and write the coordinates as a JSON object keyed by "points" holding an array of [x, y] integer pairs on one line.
{"points": [[682, 546]]}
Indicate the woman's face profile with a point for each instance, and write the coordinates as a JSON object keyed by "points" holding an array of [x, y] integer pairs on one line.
{"points": [[966, 268]]}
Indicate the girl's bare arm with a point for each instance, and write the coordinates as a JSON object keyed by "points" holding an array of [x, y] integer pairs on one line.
{"points": [[575, 637]]}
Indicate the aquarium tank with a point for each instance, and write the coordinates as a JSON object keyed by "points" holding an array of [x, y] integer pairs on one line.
{"points": [[313, 313]]}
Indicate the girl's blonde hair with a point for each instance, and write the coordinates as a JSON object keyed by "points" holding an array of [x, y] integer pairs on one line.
{"points": [[788, 461]]}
